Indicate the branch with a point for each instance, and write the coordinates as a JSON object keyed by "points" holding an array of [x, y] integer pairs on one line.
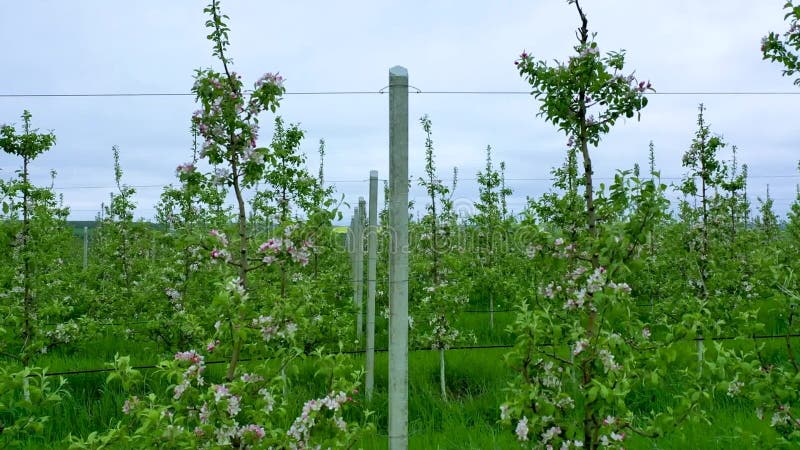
{"points": [[218, 42], [257, 266], [557, 358], [584, 29]]}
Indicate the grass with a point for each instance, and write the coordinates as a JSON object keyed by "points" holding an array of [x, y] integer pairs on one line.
{"points": [[467, 420]]}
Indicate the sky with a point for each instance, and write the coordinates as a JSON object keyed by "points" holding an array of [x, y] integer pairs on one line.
{"points": [[148, 46]]}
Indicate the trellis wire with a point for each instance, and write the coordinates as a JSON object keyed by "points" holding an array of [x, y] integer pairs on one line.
{"points": [[416, 349]]}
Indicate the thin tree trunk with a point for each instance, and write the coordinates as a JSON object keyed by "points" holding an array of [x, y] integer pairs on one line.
{"points": [[28, 305], [589, 420], [243, 245]]}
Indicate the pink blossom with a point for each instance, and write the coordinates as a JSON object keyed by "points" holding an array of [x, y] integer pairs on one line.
{"points": [[204, 413], [220, 392], [180, 389], [220, 254], [251, 378], [190, 356], [234, 405], [607, 358], [504, 412], [130, 404], [300, 430], [256, 430], [185, 168], [212, 345], [221, 237], [550, 434], [522, 429], [272, 244], [270, 78], [580, 346]]}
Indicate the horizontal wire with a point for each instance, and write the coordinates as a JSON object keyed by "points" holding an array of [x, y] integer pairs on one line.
{"points": [[362, 92], [146, 186], [650, 93], [223, 361], [167, 94], [101, 325], [385, 350], [152, 186]]}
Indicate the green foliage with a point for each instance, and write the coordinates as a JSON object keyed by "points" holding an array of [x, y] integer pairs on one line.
{"points": [[34, 228], [785, 48], [633, 325], [29, 144], [437, 259], [583, 355], [23, 395], [231, 293], [585, 96], [490, 242]]}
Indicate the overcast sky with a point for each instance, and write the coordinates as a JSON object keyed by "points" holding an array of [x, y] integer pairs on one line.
{"points": [[102, 46]]}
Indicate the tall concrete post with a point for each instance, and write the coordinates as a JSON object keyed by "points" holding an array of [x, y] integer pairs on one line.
{"points": [[352, 249], [359, 268], [372, 264], [398, 258]]}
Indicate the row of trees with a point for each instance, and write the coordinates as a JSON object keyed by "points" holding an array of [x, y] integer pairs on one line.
{"points": [[264, 278], [584, 354]]}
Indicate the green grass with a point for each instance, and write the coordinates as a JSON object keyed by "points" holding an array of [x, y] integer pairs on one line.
{"points": [[467, 420]]}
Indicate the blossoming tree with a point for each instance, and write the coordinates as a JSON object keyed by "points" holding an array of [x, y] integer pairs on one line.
{"points": [[582, 353], [245, 409]]}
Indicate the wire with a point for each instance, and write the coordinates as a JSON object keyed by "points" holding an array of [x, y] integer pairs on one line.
{"points": [[135, 186], [224, 361], [412, 90], [651, 93], [384, 350], [167, 94], [152, 186], [641, 176]]}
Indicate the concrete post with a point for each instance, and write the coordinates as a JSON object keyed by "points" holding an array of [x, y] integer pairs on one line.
{"points": [[351, 248], [398, 258], [372, 262], [359, 268]]}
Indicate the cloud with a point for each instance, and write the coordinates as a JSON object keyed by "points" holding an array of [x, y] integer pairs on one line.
{"points": [[149, 46]]}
